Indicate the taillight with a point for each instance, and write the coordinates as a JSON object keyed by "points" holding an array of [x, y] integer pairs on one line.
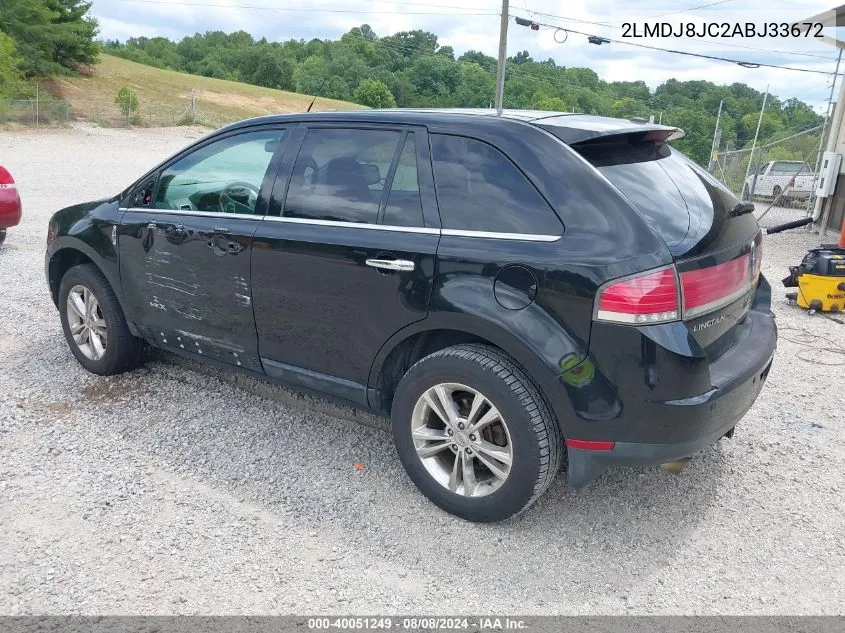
{"points": [[6, 180], [659, 296], [791, 183], [651, 297], [708, 288], [756, 261]]}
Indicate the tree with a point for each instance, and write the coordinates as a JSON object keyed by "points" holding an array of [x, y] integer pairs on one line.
{"points": [[485, 61], [127, 101], [75, 31], [10, 75], [522, 57], [51, 36], [265, 66], [476, 89], [312, 76], [435, 77], [374, 94], [554, 104]]}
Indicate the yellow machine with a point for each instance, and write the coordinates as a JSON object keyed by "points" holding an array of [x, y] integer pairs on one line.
{"points": [[820, 279]]}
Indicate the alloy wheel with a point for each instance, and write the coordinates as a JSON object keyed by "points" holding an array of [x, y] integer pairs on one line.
{"points": [[462, 439], [86, 322]]}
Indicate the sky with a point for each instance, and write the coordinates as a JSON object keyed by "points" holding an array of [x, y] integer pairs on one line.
{"points": [[474, 24]]}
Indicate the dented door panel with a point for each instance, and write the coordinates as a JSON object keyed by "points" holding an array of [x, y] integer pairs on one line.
{"points": [[188, 276]]}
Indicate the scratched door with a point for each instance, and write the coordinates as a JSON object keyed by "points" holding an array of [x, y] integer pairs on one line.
{"points": [[192, 274], [185, 247]]}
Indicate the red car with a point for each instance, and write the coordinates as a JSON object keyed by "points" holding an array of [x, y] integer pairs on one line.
{"points": [[10, 203]]}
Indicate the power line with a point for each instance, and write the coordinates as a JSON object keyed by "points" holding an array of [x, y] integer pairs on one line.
{"points": [[476, 12], [745, 64], [703, 6], [702, 41]]}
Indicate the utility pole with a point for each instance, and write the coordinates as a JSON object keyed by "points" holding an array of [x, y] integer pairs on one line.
{"points": [[503, 52], [753, 147], [717, 135], [831, 145]]}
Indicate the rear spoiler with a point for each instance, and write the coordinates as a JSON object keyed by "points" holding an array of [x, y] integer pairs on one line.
{"points": [[637, 132]]}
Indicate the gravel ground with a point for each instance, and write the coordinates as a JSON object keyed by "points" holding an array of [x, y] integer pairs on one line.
{"points": [[176, 489]]}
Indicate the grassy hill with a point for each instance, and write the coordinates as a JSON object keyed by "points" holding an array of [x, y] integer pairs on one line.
{"points": [[164, 96]]}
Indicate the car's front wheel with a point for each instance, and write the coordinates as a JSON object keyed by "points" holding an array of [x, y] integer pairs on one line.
{"points": [[94, 324], [474, 434]]}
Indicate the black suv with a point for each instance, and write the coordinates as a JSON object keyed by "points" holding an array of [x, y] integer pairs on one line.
{"points": [[501, 286]]}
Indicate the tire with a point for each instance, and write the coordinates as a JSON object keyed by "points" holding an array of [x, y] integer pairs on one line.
{"points": [[525, 432], [2, 235], [776, 193], [122, 351]]}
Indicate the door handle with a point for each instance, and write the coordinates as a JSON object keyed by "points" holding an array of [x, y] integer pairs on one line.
{"points": [[221, 246], [391, 264]]}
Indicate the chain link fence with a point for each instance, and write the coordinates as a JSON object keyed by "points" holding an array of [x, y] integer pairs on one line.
{"points": [[57, 112], [778, 176]]}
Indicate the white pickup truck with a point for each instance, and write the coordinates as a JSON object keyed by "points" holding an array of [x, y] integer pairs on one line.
{"points": [[792, 178]]}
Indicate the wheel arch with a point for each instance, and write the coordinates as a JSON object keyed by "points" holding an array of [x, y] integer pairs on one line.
{"points": [[71, 252], [425, 337]]}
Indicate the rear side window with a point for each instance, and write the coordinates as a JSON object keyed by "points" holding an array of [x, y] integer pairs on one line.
{"points": [[404, 206], [480, 189], [339, 174]]}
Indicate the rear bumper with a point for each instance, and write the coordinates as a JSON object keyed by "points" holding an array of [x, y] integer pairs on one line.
{"points": [[651, 395], [717, 412]]}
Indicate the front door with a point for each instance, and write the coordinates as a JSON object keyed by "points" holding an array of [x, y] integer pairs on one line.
{"points": [[347, 256], [185, 255]]}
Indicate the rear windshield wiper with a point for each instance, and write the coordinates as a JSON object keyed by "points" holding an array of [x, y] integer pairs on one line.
{"points": [[741, 208]]}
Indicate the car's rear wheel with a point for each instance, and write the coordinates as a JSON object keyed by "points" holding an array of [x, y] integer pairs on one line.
{"points": [[94, 324], [474, 434], [776, 192]]}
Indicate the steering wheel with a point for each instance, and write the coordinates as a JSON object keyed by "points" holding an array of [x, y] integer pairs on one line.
{"points": [[238, 194]]}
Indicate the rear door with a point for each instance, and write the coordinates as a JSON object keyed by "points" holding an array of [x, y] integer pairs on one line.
{"points": [[716, 248], [347, 256], [185, 247]]}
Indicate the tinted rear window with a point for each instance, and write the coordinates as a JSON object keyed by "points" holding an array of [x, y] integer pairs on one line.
{"points": [[668, 189], [480, 189]]}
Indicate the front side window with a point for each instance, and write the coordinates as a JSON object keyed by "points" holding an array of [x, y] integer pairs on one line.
{"points": [[223, 177], [480, 189], [340, 174]]}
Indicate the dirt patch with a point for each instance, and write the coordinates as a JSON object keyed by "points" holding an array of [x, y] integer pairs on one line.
{"points": [[111, 389]]}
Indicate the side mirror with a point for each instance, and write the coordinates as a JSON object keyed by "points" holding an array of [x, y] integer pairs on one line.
{"points": [[142, 196]]}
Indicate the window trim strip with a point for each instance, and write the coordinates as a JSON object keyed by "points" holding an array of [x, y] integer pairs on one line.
{"points": [[525, 237], [198, 214], [520, 237]]}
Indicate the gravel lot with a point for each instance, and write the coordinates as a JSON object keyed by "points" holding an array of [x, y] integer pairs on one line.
{"points": [[175, 489]]}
